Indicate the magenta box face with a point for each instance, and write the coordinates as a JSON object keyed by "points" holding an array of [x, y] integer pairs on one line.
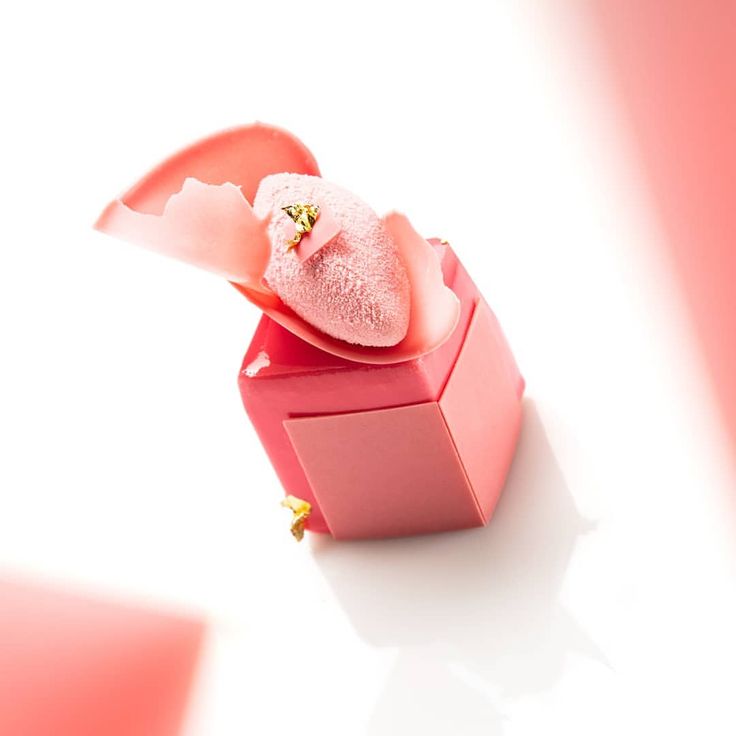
{"points": [[390, 450]]}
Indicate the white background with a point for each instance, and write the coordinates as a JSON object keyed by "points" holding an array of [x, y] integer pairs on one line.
{"points": [[601, 599]]}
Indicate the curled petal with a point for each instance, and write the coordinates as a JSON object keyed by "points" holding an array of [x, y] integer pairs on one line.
{"points": [[207, 225], [435, 309], [241, 156]]}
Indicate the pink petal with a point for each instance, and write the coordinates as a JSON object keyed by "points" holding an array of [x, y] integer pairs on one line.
{"points": [[241, 156], [434, 307], [210, 226]]}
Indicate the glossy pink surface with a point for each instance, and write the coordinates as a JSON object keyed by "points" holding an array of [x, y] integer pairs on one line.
{"points": [[428, 467], [285, 378], [481, 406]]}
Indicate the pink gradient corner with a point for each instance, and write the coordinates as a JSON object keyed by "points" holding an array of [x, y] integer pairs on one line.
{"points": [[78, 666]]}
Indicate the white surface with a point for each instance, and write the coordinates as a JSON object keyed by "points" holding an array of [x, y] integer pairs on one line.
{"points": [[600, 600]]}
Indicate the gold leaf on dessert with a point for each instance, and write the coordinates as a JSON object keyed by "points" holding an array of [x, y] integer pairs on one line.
{"points": [[300, 510], [304, 216]]}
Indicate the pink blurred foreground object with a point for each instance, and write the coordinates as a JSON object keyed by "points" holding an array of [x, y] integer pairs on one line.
{"points": [[390, 450], [378, 380], [75, 666], [673, 66]]}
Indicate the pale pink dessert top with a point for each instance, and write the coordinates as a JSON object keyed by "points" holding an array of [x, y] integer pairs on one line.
{"points": [[354, 288], [381, 281]]}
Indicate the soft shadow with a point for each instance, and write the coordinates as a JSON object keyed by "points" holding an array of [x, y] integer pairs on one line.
{"points": [[478, 606]]}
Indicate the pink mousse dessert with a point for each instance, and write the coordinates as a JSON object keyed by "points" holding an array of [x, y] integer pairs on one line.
{"points": [[378, 379]]}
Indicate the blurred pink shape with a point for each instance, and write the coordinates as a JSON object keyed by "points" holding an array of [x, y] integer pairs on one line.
{"points": [[674, 66], [76, 666]]}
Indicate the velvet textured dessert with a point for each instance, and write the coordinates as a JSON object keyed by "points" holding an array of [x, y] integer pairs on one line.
{"points": [[378, 380], [355, 287]]}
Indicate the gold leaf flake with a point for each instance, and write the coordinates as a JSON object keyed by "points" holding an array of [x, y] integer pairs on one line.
{"points": [[304, 216], [300, 510]]}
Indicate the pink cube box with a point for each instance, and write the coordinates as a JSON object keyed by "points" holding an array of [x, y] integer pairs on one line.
{"points": [[390, 450]]}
